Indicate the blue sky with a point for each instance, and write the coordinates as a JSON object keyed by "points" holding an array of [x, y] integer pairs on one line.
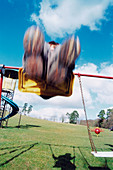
{"points": [[92, 21]]}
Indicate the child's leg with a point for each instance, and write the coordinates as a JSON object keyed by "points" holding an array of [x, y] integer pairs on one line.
{"points": [[33, 41], [61, 61], [33, 58], [69, 52], [56, 72]]}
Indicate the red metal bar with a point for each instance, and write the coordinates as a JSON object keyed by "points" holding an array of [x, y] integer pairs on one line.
{"points": [[1, 80], [11, 67], [78, 74], [91, 75]]}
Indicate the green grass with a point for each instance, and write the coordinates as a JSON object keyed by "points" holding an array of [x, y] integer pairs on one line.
{"points": [[32, 146]]}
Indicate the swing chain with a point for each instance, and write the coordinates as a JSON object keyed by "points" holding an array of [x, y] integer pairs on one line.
{"points": [[88, 128]]}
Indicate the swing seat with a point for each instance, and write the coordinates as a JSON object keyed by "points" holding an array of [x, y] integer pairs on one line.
{"points": [[42, 88], [102, 154]]}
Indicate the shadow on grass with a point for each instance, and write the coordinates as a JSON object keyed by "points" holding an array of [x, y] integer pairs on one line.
{"points": [[21, 126], [110, 146], [64, 161], [18, 148], [105, 167], [97, 136]]}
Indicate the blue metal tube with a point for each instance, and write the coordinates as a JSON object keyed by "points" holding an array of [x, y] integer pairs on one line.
{"points": [[14, 106]]}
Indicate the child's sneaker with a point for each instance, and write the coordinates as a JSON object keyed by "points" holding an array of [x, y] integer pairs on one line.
{"points": [[33, 58], [33, 41], [69, 52]]}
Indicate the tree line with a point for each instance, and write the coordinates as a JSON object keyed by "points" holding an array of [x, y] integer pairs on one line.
{"points": [[105, 119]]}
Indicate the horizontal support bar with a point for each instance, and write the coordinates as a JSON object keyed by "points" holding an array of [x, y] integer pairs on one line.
{"points": [[78, 74], [11, 67], [91, 75]]}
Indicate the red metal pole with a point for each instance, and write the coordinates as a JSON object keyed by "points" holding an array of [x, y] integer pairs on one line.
{"points": [[78, 74], [91, 75], [11, 67], [1, 80]]}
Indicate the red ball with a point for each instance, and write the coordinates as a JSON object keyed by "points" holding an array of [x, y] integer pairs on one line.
{"points": [[97, 130]]}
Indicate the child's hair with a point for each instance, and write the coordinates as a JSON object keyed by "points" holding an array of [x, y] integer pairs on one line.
{"points": [[53, 42]]}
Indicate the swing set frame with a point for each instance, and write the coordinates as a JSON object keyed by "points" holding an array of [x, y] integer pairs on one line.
{"points": [[94, 151]]}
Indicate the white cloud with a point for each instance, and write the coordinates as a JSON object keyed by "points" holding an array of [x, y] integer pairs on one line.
{"points": [[102, 88], [97, 94], [63, 17]]}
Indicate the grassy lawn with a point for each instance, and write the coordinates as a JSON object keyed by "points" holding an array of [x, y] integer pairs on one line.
{"points": [[41, 144]]}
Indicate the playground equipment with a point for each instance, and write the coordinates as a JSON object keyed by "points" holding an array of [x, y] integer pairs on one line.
{"points": [[7, 87], [97, 130], [15, 107], [94, 151]]}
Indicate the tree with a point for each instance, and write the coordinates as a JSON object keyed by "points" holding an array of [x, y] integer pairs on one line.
{"points": [[23, 110], [29, 109], [101, 116], [109, 112], [62, 118], [73, 117], [106, 119], [109, 119]]}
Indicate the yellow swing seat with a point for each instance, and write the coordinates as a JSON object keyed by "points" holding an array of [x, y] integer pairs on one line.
{"points": [[42, 88]]}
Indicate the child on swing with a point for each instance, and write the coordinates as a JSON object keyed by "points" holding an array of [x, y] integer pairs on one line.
{"points": [[50, 61]]}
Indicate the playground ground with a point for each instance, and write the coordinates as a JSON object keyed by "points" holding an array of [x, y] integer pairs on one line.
{"points": [[41, 144]]}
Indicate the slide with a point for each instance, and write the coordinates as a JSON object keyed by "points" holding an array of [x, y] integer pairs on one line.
{"points": [[14, 106]]}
